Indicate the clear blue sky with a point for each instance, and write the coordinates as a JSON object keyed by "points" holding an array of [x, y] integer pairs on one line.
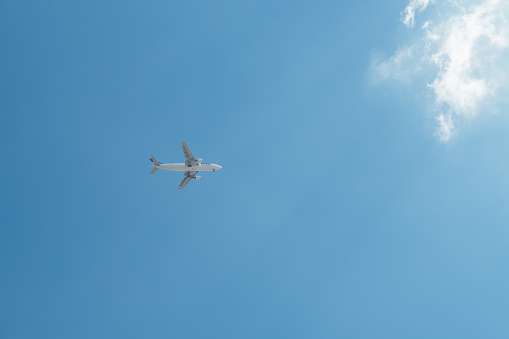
{"points": [[337, 213]]}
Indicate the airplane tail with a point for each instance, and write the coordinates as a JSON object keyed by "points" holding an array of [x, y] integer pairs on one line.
{"points": [[156, 165]]}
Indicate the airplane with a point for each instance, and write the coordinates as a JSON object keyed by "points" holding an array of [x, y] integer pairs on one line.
{"points": [[190, 167]]}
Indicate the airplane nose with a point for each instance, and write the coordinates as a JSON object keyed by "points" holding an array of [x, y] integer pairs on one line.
{"points": [[219, 167]]}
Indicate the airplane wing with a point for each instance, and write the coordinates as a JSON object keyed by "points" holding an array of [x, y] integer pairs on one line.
{"points": [[188, 175], [190, 159]]}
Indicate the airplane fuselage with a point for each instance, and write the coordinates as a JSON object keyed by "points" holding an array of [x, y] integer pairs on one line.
{"points": [[190, 168], [183, 167]]}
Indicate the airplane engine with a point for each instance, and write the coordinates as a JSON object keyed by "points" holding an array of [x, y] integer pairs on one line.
{"points": [[197, 177], [199, 160]]}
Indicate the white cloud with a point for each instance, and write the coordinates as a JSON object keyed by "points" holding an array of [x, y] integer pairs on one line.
{"points": [[465, 44], [445, 128], [465, 48], [409, 13]]}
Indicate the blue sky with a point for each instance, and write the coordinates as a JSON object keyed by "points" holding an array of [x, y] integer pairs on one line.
{"points": [[340, 211]]}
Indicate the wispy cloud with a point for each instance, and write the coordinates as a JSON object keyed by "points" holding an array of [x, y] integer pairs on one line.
{"points": [[445, 128], [408, 15], [465, 46], [397, 66]]}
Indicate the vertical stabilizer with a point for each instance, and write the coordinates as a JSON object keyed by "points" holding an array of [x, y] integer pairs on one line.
{"points": [[154, 160], [155, 164]]}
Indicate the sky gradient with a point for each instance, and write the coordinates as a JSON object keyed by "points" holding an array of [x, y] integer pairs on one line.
{"points": [[338, 212]]}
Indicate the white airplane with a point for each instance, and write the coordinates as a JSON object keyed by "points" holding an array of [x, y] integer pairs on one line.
{"points": [[190, 167]]}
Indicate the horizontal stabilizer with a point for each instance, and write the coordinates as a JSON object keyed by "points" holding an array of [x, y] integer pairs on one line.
{"points": [[154, 160], [154, 170]]}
